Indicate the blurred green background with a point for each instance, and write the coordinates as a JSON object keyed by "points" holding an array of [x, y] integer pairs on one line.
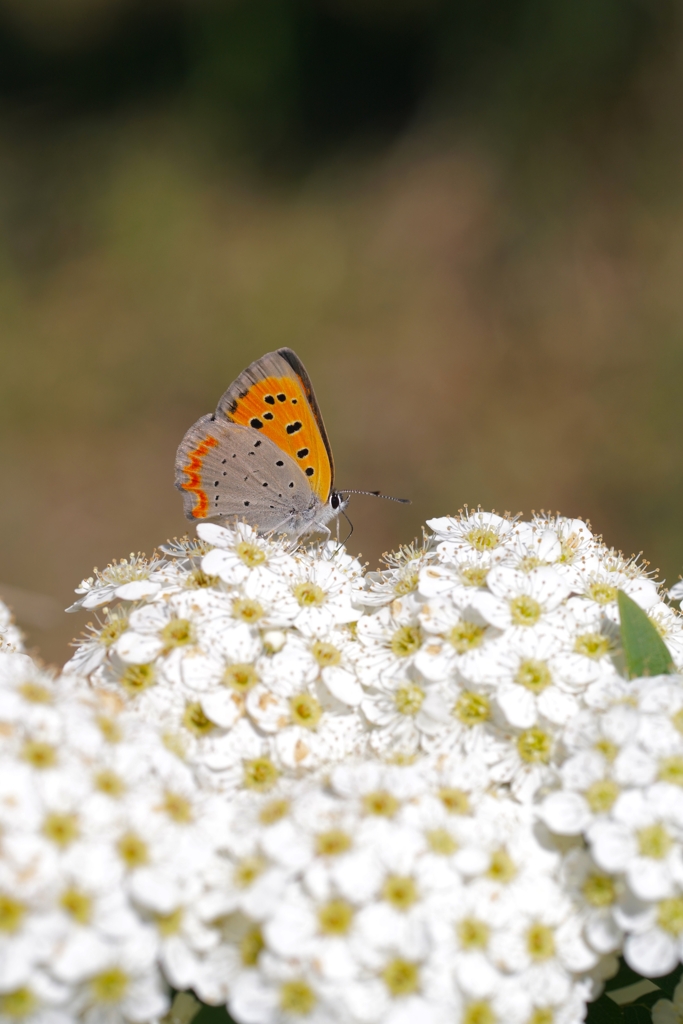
{"points": [[465, 215]]}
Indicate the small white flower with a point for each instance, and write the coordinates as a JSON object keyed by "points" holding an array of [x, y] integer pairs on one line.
{"points": [[521, 600], [239, 553]]}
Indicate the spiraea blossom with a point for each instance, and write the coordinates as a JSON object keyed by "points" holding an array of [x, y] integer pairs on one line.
{"points": [[104, 835], [319, 795], [242, 654]]}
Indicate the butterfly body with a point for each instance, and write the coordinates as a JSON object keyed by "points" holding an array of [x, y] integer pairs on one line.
{"points": [[263, 457]]}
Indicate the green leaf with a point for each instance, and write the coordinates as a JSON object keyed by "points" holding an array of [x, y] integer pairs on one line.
{"points": [[669, 981], [213, 1015], [604, 1011], [636, 1015], [645, 652], [624, 976]]}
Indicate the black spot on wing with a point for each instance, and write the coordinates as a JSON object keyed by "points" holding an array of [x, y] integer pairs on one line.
{"points": [[302, 453], [310, 471], [267, 415], [294, 428], [255, 422], [279, 462], [269, 399], [281, 397]]}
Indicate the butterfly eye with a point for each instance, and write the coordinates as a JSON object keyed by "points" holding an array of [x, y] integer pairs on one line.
{"points": [[334, 500]]}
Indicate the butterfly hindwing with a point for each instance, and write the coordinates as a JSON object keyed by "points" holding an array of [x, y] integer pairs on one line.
{"points": [[230, 471], [274, 396]]}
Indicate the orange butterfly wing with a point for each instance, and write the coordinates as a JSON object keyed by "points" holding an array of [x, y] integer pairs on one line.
{"points": [[275, 396]]}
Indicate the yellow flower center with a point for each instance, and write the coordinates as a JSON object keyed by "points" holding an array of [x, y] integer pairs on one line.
{"points": [[592, 645], [456, 801], [297, 998], [406, 583], [260, 774], [249, 553], [408, 699], [401, 977], [77, 905], [309, 595], [406, 641], [472, 708], [274, 810], [196, 720], [240, 677], [19, 1003], [178, 808], [335, 917], [251, 946], [534, 746], [247, 610], [502, 868], [534, 675], [440, 841], [670, 915], [110, 986], [483, 538], [542, 1015], [11, 913], [177, 633], [608, 749], [602, 593], [599, 890], [247, 871], [381, 802], [465, 636], [473, 575], [198, 580], [138, 677], [677, 720], [326, 654], [39, 755], [110, 729], [654, 841], [472, 933], [400, 891], [169, 924], [524, 610], [61, 829], [601, 795], [671, 770], [479, 1012], [540, 942], [35, 693], [113, 629], [305, 710], [332, 843], [132, 850]]}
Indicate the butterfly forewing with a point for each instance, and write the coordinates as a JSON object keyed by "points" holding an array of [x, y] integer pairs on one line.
{"points": [[230, 471], [275, 398]]}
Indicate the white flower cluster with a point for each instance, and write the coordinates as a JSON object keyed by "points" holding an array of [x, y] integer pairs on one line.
{"points": [[428, 793], [240, 650], [104, 840], [401, 894], [621, 789]]}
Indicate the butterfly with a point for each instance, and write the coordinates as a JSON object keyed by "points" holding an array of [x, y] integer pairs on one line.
{"points": [[263, 457]]}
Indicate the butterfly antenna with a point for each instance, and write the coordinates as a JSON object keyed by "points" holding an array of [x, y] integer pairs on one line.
{"points": [[377, 494], [346, 538]]}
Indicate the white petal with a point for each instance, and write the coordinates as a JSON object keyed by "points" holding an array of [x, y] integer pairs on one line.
{"points": [[566, 813], [138, 648], [137, 589], [651, 954]]}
